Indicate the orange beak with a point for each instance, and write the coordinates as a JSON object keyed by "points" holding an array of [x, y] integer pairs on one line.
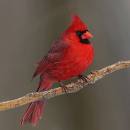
{"points": [[87, 35]]}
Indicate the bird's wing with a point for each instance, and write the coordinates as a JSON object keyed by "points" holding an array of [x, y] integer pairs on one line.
{"points": [[55, 54]]}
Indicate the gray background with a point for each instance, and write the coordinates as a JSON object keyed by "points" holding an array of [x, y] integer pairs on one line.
{"points": [[27, 28]]}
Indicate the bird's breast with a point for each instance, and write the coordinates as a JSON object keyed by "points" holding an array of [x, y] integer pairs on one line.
{"points": [[75, 61], [81, 57]]}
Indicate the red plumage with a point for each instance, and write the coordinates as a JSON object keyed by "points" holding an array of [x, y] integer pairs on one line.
{"points": [[68, 57]]}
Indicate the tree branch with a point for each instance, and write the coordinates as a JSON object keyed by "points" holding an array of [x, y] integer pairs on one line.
{"points": [[72, 87]]}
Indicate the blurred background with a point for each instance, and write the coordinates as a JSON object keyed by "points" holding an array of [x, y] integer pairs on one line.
{"points": [[27, 29]]}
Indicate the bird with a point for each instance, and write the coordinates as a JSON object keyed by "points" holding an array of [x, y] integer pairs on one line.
{"points": [[69, 56]]}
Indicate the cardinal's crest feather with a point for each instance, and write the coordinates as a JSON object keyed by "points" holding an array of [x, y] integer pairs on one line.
{"points": [[77, 24]]}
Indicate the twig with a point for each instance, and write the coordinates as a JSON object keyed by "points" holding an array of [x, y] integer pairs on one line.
{"points": [[72, 87]]}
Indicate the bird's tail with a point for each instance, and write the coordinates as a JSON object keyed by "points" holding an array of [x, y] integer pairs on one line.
{"points": [[34, 111]]}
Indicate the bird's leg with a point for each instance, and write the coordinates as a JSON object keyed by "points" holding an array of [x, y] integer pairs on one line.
{"points": [[84, 78], [63, 86]]}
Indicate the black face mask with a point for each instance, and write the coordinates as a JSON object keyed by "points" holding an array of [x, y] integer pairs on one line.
{"points": [[79, 34]]}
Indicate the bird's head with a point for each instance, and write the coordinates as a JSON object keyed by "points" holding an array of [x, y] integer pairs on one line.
{"points": [[78, 31]]}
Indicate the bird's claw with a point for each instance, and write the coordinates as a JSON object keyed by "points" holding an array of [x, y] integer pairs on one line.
{"points": [[84, 78], [64, 87]]}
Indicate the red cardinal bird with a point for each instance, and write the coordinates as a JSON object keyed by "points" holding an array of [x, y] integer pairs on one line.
{"points": [[68, 57]]}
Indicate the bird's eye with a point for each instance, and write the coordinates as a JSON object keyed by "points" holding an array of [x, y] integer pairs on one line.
{"points": [[80, 33]]}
